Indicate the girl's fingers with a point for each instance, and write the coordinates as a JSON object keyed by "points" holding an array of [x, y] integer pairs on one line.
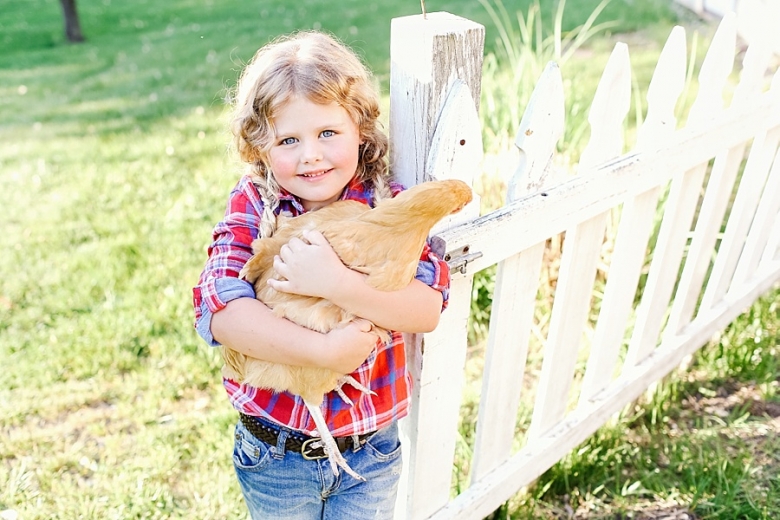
{"points": [[314, 237]]}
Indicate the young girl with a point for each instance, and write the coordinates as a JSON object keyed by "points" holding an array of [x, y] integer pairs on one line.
{"points": [[305, 123]]}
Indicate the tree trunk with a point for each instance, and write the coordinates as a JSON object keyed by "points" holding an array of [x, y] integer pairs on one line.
{"points": [[72, 26]]}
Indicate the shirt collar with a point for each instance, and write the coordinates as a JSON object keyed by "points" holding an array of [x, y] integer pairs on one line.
{"points": [[291, 205]]}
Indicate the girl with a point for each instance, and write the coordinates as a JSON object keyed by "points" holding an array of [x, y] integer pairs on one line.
{"points": [[305, 123]]}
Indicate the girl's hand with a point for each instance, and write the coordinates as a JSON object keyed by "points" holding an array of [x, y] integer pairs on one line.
{"points": [[348, 347], [312, 269]]}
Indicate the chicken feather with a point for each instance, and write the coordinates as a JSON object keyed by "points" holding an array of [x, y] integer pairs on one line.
{"points": [[385, 243]]}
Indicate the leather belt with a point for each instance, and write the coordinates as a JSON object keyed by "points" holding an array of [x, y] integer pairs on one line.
{"points": [[310, 447]]}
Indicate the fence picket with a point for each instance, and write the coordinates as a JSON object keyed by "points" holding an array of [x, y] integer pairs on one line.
{"points": [[517, 281], [457, 136], [773, 244], [682, 200], [758, 236], [608, 110], [665, 87], [716, 199], [582, 249], [534, 134], [569, 314], [742, 211], [636, 220]]}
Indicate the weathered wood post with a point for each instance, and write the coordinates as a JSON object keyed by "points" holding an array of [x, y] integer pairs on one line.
{"points": [[435, 74], [426, 56]]}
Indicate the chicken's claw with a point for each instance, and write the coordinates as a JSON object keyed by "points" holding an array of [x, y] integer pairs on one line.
{"points": [[354, 383], [336, 459]]}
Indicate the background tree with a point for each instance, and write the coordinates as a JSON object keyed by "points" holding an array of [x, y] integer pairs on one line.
{"points": [[72, 26]]}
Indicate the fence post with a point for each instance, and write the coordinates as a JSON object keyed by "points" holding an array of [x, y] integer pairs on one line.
{"points": [[430, 55], [426, 55]]}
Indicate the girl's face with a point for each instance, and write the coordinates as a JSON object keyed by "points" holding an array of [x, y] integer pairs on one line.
{"points": [[315, 153]]}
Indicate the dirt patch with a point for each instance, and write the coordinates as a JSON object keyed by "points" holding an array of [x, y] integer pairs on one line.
{"points": [[730, 398], [643, 510]]}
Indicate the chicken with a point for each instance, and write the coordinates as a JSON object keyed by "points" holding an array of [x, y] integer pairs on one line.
{"points": [[385, 243]]}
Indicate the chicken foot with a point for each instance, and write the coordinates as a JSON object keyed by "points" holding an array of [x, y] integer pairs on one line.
{"points": [[354, 383], [335, 457]]}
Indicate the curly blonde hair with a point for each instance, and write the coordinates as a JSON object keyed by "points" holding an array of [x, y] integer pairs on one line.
{"points": [[324, 70]]}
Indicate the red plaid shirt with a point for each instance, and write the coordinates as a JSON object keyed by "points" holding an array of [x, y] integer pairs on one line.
{"points": [[384, 372]]}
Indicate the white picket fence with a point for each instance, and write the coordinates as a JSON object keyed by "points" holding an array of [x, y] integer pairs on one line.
{"points": [[693, 176]]}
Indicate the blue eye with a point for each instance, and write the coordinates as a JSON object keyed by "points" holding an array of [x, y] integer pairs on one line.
{"points": [[288, 140], [328, 133]]}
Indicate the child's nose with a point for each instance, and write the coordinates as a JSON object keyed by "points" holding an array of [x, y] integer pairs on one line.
{"points": [[312, 152]]}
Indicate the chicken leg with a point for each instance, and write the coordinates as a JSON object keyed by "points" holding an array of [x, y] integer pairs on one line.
{"points": [[335, 457]]}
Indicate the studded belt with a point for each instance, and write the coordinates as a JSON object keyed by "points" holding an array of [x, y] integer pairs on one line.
{"points": [[310, 447]]}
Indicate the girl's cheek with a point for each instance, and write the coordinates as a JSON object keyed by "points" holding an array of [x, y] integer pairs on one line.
{"points": [[281, 164]]}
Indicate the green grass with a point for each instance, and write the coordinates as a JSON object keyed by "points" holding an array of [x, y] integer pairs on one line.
{"points": [[705, 441], [114, 167]]}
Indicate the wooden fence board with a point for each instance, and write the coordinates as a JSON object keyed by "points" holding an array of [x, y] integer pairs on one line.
{"points": [[742, 212], [682, 200], [636, 220], [517, 281], [569, 314], [758, 237], [436, 66], [582, 249], [716, 200]]}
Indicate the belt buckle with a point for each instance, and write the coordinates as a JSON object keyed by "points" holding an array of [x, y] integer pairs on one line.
{"points": [[307, 449]]}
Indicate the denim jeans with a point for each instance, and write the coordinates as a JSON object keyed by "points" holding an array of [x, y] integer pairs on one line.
{"points": [[282, 485]]}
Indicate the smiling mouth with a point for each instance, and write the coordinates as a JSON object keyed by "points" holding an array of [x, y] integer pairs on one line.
{"points": [[313, 175]]}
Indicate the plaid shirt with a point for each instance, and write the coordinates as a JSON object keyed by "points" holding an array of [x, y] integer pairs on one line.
{"points": [[384, 372]]}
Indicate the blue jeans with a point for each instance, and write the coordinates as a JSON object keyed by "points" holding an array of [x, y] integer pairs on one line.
{"points": [[282, 485]]}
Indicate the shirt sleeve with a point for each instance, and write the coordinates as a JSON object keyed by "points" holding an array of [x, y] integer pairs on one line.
{"points": [[434, 272], [230, 249]]}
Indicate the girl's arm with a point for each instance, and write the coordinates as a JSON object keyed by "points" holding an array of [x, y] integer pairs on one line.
{"points": [[248, 326], [226, 311], [314, 269], [416, 308]]}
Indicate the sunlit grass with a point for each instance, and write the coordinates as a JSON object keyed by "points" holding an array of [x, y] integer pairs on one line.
{"points": [[114, 166]]}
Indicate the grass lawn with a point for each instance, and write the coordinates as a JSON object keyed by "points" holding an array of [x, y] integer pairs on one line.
{"points": [[114, 167]]}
